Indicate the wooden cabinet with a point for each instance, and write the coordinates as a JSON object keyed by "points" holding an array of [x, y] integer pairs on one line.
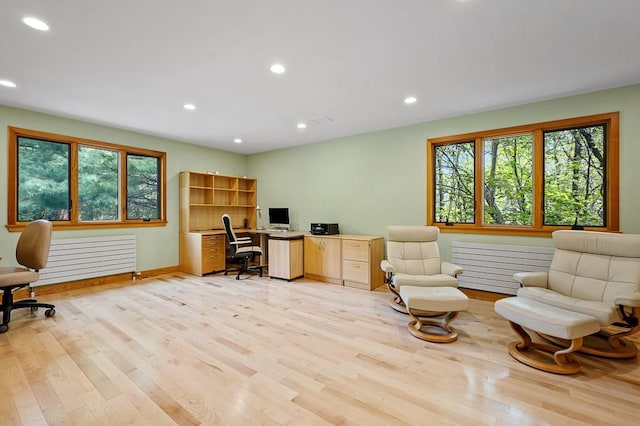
{"points": [[350, 260], [322, 258], [204, 198], [286, 258], [201, 253], [361, 257], [213, 253]]}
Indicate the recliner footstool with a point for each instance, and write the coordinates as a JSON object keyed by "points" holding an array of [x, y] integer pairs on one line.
{"points": [[542, 318], [442, 305]]}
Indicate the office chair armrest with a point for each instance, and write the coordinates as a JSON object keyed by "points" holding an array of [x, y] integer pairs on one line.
{"points": [[531, 279], [242, 240], [451, 269]]}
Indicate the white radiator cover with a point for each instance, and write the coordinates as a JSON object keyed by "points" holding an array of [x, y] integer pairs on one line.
{"points": [[490, 267], [89, 257]]}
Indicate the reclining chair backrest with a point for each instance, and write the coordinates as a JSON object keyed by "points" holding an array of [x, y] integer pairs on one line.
{"points": [[595, 266], [414, 249]]}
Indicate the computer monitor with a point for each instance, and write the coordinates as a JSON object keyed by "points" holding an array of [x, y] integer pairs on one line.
{"points": [[279, 217]]}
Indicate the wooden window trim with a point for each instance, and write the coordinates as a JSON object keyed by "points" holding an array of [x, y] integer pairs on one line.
{"points": [[612, 173], [13, 225]]}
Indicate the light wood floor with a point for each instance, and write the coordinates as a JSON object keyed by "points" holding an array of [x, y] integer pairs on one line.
{"points": [[213, 350]]}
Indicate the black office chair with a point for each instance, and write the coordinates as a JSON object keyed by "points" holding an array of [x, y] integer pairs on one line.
{"points": [[32, 252], [241, 249]]}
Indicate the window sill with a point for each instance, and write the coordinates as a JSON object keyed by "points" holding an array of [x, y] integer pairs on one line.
{"points": [[510, 231], [67, 226]]}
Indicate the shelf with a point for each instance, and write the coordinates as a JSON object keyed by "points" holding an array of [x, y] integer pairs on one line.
{"points": [[204, 198]]}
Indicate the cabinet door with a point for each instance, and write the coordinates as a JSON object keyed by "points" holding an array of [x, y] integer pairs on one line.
{"points": [[279, 259], [312, 255], [331, 267]]}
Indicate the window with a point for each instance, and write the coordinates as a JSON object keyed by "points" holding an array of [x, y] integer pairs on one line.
{"points": [[78, 183], [526, 180]]}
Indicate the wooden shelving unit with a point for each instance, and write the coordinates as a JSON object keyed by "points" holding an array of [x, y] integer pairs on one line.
{"points": [[204, 198]]}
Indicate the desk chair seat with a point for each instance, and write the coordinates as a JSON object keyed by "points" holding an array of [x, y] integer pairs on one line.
{"points": [[32, 252], [241, 249]]}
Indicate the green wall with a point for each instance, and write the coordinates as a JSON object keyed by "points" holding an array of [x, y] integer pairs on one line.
{"points": [[363, 182], [369, 181], [157, 247]]}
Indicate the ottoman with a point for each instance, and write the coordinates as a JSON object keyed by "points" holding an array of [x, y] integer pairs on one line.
{"points": [[444, 302], [557, 322]]}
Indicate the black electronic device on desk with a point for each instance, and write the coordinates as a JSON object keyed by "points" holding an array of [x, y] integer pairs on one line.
{"points": [[324, 228]]}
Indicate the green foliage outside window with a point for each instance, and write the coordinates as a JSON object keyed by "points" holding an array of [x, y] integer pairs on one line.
{"points": [[455, 183], [79, 182], [531, 179], [97, 184], [43, 180], [508, 180], [142, 187], [574, 177]]}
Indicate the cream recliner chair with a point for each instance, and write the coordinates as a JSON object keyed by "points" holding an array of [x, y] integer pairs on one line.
{"points": [[413, 259], [597, 274]]}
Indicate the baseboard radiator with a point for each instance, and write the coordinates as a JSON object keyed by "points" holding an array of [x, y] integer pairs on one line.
{"points": [[90, 257], [490, 267]]}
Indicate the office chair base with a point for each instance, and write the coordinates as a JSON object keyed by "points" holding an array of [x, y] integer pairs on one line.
{"points": [[255, 269], [8, 305]]}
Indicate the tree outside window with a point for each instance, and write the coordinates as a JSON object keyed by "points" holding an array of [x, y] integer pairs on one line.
{"points": [[529, 179], [508, 180], [98, 184], [455, 193], [43, 180], [78, 183], [143, 189], [574, 176]]}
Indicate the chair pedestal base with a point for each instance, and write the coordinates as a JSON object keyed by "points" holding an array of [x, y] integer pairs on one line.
{"points": [[433, 329], [601, 344], [533, 354], [8, 305]]}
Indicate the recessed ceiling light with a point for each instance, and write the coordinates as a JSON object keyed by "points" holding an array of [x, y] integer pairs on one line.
{"points": [[277, 68], [237, 140], [7, 83], [190, 107], [410, 100], [35, 23], [301, 126]]}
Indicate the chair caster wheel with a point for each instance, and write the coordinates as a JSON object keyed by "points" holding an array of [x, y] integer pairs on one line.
{"points": [[4, 328], [49, 312], [34, 309]]}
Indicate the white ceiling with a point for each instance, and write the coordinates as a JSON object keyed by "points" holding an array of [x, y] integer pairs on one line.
{"points": [[132, 64]]}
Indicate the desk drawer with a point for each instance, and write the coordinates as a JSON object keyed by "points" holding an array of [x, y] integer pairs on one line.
{"points": [[355, 250], [355, 271], [213, 256]]}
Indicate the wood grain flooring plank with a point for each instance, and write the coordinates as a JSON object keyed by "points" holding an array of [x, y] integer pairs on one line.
{"points": [[179, 349]]}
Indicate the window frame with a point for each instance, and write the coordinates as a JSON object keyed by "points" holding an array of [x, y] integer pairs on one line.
{"points": [[74, 143], [611, 121]]}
